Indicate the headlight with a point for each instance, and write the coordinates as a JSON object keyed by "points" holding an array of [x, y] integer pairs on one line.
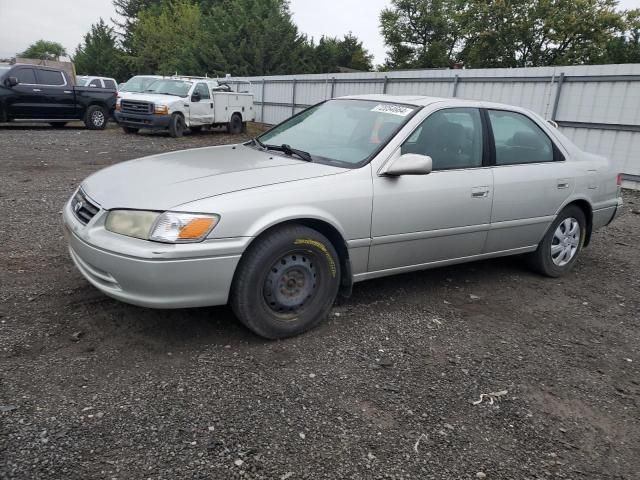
{"points": [[168, 227], [161, 109]]}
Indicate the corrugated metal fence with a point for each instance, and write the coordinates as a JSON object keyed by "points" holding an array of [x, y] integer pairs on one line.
{"points": [[598, 107]]}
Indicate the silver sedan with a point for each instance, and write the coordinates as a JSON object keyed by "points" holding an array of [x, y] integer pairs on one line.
{"points": [[348, 190]]}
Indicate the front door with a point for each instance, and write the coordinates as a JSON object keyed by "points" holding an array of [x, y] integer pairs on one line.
{"points": [[26, 97], [201, 112], [445, 215]]}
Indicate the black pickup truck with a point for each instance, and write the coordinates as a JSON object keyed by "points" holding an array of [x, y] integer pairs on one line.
{"points": [[33, 93]]}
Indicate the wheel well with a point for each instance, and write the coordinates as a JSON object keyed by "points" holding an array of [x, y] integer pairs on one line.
{"points": [[588, 214], [334, 236]]}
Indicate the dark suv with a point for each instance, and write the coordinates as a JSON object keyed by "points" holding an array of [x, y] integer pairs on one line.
{"points": [[35, 93]]}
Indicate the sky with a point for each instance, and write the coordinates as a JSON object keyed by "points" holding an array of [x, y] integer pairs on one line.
{"points": [[66, 21]]}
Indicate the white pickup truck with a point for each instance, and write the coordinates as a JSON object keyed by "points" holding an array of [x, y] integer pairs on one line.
{"points": [[179, 103]]}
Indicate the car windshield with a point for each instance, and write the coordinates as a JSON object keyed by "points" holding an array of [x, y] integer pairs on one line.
{"points": [[179, 88], [4, 68], [82, 82], [137, 84], [347, 132]]}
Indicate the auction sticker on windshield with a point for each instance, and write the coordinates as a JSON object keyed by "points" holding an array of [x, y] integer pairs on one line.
{"points": [[393, 109]]}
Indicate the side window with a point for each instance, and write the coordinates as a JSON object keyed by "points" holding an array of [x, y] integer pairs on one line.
{"points": [[110, 84], [25, 75], [95, 83], [451, 137], [202, 89], [50, 77], [518, 139]]}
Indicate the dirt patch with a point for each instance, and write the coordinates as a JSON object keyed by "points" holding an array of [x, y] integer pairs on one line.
{"points": [[94, 388]]}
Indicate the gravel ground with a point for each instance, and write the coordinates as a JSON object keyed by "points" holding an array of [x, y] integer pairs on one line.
{"points": [[93, 388]]}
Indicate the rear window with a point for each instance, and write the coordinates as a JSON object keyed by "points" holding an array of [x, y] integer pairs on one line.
{"points": [[110, 84], [49, 77]]}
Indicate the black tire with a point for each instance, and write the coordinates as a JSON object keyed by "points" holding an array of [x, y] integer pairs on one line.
{"points": [[57, 124], [96, 117], [286, 282], [235, 124], [129, 130], [176, 125], [196, 129], [565, 251]]}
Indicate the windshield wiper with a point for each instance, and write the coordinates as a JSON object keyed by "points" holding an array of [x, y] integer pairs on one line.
{"points": [[286, 149]]}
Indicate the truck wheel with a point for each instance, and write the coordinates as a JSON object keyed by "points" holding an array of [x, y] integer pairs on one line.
{"points": [[286, 282], [235, 124], [176, 125], [95, 118], [130, 129], [57, 124], [559, 249]]}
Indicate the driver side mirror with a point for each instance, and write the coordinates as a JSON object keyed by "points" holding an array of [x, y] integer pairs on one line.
{"points": [[195, 97], [11, 82], [410, 164]]}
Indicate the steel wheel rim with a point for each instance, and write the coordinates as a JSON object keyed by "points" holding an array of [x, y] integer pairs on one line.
{"points": [[565, 242], [291, 283]]}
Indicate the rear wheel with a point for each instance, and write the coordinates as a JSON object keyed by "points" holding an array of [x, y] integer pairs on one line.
{"points": [[559, 249], [57, 124], [130, 129], [176, 125], [235, 124], [95, 118], [286, 282]]}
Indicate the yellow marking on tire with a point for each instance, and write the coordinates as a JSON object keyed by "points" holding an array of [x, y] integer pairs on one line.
{"points": [[320, 246]]}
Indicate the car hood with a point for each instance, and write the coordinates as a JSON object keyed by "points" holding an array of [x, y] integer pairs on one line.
{"points": [[166, 181], [152, 98]]}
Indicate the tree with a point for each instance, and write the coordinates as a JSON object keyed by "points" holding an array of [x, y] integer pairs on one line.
{"points": [[625, 48], [421, 33], [100, 54], [128, 11], [518, 33], [167, 39], [44, 50]]}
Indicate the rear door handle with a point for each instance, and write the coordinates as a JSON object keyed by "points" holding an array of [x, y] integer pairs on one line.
{"points": [[67, 91], [480, 192], [37, 90]]}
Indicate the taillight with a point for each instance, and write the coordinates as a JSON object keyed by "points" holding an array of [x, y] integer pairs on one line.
{"points": [[619, 180]]}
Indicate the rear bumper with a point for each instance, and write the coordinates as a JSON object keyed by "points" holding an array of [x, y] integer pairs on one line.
{"points": [[136, 120]]}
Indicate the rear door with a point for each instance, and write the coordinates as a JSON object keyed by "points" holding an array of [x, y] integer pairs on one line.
{"points": [[445, 215], [57, 94], [26, 98], [531, 181]]}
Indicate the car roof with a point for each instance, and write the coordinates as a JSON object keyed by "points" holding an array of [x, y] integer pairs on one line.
{"points": [[422, 101]]}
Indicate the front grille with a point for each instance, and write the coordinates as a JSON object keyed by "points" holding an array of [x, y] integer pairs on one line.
{"points": [[83, 208], [130, 106]]}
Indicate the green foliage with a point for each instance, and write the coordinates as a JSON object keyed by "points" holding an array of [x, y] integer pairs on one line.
{"points": [[100, 55], [504, 33], [333, 54], [625, 48], [44, 50]]}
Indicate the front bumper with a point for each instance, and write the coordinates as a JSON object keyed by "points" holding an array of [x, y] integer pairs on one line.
{"points": [[150, 274], [136, 120]]}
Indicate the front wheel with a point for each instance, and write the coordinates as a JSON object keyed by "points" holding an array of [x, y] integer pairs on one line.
{"points": [[559, 249], [176, 125], [96, 118], [286, 282]]}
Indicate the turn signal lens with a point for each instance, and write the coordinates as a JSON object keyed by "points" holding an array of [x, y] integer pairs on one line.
{"points": [[176, 227]]}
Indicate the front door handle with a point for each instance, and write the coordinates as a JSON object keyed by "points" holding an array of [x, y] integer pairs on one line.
{"points": [[562, 184], [37, 90], [480, 192]]}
